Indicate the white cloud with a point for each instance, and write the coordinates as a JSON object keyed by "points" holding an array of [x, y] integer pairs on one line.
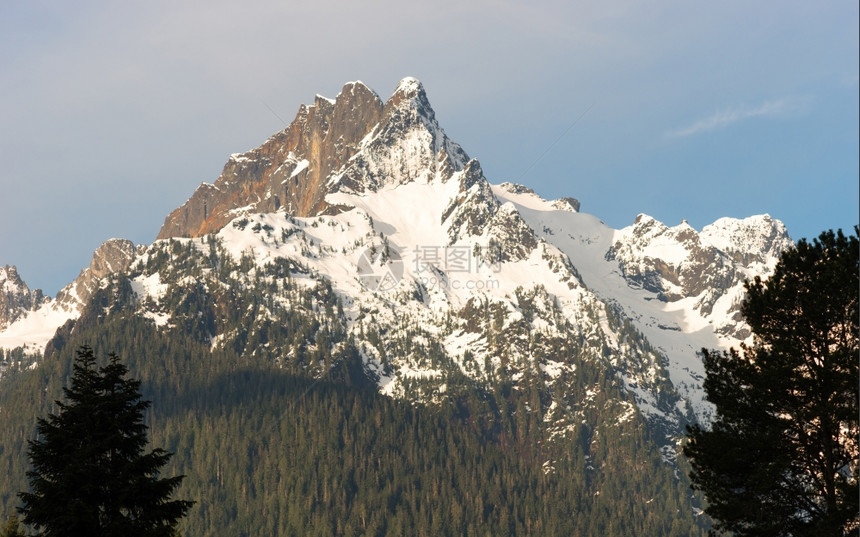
{"points": [[729, 116]]}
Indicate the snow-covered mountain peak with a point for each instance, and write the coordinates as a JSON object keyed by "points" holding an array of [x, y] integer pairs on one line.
{"points": [[112, 256], [704, 270], [409, 84], [353, 143], [757, 238], [16, 298], [407, 145], [10, 281], [34, 326], [409, 97]]}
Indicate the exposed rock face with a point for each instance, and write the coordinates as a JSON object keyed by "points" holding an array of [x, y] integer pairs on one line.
{"points": [[757, 239], [473, 206], [562, 204], [567, 204], [516, 188], [355, 143], [672, 262], [15, 297], [408, 145], [678, 262], [115, 255]]}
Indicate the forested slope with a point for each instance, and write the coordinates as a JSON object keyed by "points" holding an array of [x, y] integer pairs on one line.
{"points": [[283, 449]]}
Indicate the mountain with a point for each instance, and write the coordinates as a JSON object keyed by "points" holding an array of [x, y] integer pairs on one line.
{"points": [[31, 319], [492, 277], [361, 234], [16, 299], [355, 143]]}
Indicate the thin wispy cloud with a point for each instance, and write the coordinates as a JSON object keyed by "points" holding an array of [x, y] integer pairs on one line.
{"points": [[724, 118]]}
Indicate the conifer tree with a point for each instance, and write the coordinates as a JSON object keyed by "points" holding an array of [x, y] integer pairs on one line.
{"points": [[90, 473], [781, 457]]}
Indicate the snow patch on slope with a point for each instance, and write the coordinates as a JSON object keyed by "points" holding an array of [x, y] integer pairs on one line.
{"points": [[33, 331]]}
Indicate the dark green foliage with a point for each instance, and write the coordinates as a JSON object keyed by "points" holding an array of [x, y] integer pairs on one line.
{"points": [[91, 475], [781, 457], [271, 453], [268, 452]]}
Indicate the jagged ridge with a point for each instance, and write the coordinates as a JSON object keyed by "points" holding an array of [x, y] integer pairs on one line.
{"points": [[354, 142]]}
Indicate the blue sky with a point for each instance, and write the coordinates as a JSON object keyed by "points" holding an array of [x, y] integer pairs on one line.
{"points": [[112, 113]]}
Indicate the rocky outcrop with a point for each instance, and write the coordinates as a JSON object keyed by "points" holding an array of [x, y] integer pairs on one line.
{"points": [[567, 204], [408, 145], [115, 255], [753, 240], [469, 212], [353, 143], [672, 262], [289, 170], [516, 188], [16, 299], [677, 262]]}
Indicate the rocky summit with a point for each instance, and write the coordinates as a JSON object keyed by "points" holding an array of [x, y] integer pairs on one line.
{"points": [[351, 143], [16, 299]]}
